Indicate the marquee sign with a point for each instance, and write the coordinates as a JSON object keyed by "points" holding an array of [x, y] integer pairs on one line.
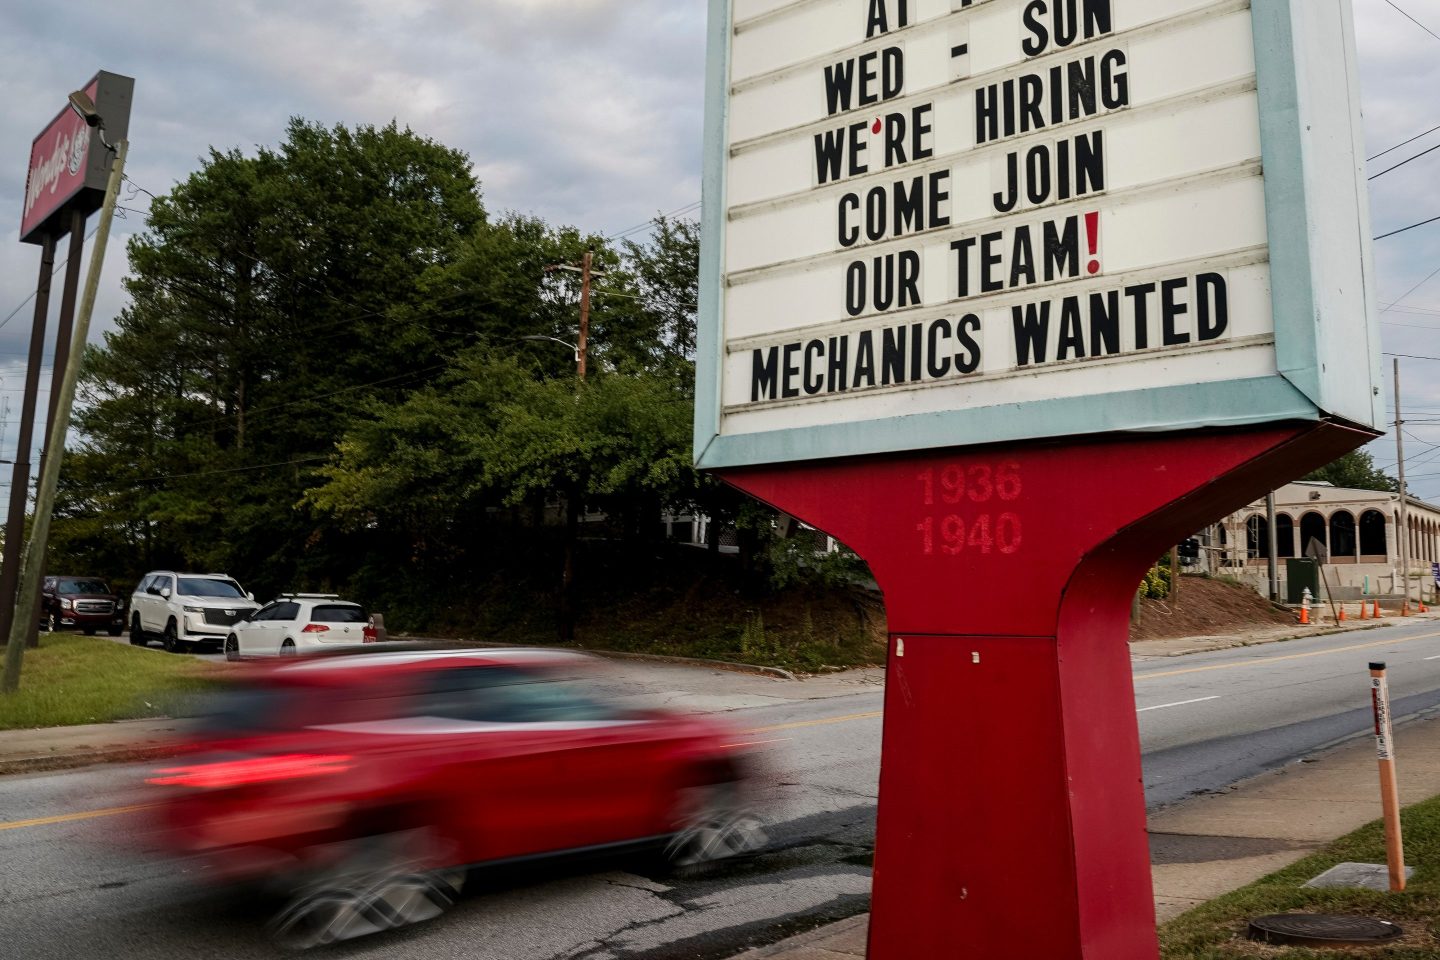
{"points": [[69, 165], [934, 223]]}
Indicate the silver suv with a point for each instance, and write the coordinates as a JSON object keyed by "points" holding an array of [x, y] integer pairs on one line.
{"points": [[183, 610]]}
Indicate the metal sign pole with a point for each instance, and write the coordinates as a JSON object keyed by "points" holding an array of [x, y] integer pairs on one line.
{"points": [[68, 293], [20, 477]]}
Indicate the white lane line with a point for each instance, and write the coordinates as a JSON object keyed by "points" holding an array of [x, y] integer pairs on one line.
{"points": [[1182, 703], [1428, 659]]}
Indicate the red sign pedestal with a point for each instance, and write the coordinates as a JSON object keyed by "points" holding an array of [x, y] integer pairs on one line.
{"points": [[1012, 813]]}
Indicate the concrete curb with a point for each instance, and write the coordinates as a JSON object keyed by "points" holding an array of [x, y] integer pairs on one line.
{"points": [[1240, 640], [45, 763], [832, 940], [617, 655]]}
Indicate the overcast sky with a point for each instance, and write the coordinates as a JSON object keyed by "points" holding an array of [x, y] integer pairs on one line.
{"points": [[586, 112]]}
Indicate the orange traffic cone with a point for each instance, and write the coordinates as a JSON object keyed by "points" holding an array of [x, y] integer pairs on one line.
{"points": [[1304, 616], [1340, 617], [1378, 614], [1364, 614], [1423, 608], [1405, 608]]}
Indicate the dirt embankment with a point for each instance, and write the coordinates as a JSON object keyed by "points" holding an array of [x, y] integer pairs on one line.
{"points": [[1204, 608]]}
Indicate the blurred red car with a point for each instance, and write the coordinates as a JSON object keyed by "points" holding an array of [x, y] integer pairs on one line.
{"points": [[360, 786]]}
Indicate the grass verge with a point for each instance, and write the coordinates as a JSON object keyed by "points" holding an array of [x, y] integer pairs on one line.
{"points": [[75, 679], [1216, 931]]}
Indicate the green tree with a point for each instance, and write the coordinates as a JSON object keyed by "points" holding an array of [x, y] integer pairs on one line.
{"points": [[1356, 470], [269, 294]]}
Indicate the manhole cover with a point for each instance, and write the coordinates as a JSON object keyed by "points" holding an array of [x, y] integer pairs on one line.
{"points": [[1322, 930]]}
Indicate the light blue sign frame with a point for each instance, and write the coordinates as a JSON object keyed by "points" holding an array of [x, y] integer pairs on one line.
{"points": [[1317, 210]]}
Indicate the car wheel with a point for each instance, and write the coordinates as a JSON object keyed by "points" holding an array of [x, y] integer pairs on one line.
{"points": [[137, 635], [170, 640], [714, 826], [115, 631], [377, 884], [89, 631], [232, 648], [287, 649]]}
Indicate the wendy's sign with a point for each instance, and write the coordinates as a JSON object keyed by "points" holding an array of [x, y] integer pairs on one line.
{"points": [[69, 163]]}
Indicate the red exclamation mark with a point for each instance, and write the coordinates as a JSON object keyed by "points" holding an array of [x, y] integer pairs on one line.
{"points": [[1092, 231]]}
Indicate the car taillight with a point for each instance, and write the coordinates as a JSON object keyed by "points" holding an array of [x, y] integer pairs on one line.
{"points": [[235, 773], [370, 635], [315, 628]]}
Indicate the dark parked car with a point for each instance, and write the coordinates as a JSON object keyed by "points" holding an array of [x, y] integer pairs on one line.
{"points": [[83, 603]]}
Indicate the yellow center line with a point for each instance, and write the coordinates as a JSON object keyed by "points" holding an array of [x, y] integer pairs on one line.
{"points": [[1293, 656], [815, 723], [70, 817]]}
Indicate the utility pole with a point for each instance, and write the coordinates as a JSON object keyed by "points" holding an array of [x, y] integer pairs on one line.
{"points": [[583, 343], [572, 499], [1404, 532]]}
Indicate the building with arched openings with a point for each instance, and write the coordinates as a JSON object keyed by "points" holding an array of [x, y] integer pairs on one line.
{"points": [[1357, 530]]}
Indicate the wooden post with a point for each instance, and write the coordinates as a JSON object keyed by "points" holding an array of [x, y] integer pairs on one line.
{"points": [[1389, 794]]}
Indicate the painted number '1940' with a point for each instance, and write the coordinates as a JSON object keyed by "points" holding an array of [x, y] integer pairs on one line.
{"points": [[983, 532]]}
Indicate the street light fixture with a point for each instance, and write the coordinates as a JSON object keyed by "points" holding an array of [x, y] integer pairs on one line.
{"points": [[84, 108], [540, 338]]}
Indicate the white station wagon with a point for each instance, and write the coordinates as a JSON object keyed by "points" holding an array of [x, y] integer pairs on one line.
{"points": [[298, 623]]}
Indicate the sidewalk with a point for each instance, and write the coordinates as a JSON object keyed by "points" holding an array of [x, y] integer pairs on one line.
{"points": [[1181, 646], [49, 748]]}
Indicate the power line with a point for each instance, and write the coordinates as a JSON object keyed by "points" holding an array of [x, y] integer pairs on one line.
{"points": [[58, 267], [1413, 20], [260, 412], [654, 220], [1405, 144], [1403, 162], [1409, 326], [216, 473], [1409, 292], [1405, 229]]}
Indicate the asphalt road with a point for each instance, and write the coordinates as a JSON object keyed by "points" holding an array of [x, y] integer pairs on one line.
{"points": [[69, 885]]}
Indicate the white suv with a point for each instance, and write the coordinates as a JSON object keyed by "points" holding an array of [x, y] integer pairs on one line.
{"points": [[182, 610]]}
